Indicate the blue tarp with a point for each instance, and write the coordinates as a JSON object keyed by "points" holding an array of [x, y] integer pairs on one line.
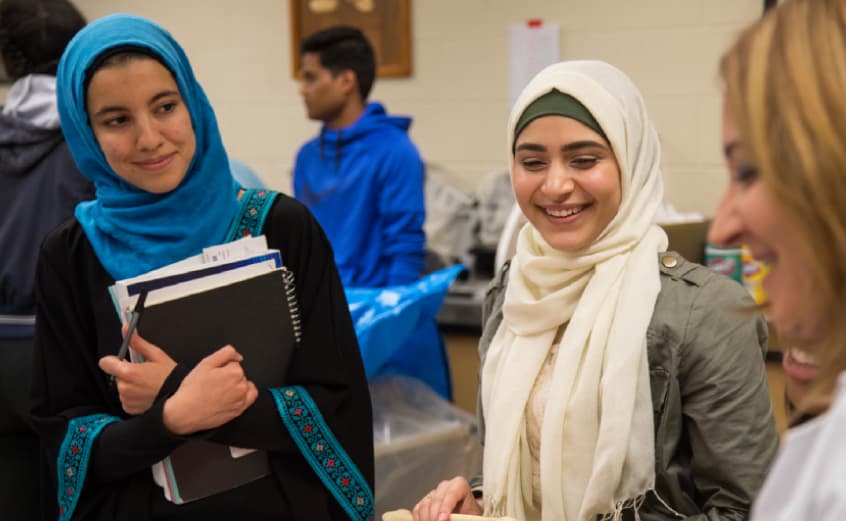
{"points": [[397, 332]]}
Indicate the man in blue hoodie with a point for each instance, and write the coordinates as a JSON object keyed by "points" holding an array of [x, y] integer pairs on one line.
{"points": [[362, 177]]}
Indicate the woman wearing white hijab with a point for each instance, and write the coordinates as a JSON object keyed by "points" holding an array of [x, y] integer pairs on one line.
{"points": [[618, 379]]}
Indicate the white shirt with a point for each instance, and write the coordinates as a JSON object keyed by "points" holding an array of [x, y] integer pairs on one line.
{"points": [[808, 479]]}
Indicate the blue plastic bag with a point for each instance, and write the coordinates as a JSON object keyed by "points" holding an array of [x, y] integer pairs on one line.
{"points": [[396, 329]]}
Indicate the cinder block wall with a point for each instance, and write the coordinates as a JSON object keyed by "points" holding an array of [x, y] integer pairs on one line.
{"points": [[458, 93]]}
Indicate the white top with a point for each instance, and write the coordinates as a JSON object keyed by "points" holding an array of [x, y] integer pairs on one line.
{"points": [[808, 479], [535, 410]]}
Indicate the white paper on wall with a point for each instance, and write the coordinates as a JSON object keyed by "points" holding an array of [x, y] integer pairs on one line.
{"points": [[534, 45]]}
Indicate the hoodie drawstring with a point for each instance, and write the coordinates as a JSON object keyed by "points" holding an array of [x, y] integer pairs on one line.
{"points": [[338, 149]]}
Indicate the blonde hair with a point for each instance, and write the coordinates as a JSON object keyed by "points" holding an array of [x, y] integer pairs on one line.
{"points": [[785, 85]]}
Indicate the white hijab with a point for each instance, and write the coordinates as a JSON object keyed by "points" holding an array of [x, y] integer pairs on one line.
{"points": [[597, 442]]}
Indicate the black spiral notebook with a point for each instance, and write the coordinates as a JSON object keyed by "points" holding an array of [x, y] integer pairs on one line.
{"points": [[259, 317]]}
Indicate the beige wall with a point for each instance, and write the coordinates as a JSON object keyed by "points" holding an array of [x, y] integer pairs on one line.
{"points": [[459, 91]]}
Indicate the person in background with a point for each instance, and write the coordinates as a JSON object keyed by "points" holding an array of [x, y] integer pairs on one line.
{"points": [[362, 177], [785, 118], [618, 380], [140, 126], [39, 188]]}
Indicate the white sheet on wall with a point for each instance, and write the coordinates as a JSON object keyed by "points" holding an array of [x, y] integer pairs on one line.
{"points": [[534, 45]]}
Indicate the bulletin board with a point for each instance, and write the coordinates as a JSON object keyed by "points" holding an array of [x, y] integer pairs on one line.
{"points": [[385, 23]]}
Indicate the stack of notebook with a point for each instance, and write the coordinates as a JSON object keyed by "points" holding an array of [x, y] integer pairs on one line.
{"points": [[237, 293]]}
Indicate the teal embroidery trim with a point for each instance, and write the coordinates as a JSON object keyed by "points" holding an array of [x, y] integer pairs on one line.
{"points": [[255, 205], [323, 453], [74, 455]]}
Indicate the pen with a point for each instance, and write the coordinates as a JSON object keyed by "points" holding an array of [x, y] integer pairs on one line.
{"points": [[133, 325]]}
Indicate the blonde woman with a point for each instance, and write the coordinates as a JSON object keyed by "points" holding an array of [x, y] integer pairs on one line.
{"points": [[785, 79], [617, 379]]}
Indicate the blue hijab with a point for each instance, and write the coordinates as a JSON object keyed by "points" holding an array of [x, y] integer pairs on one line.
{"points": [[133, 231]]}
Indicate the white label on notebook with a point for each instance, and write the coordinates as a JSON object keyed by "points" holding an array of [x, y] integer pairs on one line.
{"points": [[238, 452], [235, 249]]}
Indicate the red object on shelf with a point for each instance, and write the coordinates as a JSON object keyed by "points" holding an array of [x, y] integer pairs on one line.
{"points": [[534, 22]]}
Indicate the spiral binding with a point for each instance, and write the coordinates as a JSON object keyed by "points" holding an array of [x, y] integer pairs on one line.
{"points": [[293, 306]]}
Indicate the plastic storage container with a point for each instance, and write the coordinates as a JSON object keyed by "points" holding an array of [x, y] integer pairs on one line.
{"points": [[420, 439]]}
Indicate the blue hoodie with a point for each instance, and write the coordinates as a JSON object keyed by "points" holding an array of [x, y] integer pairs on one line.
{"points": [[364, 184]]}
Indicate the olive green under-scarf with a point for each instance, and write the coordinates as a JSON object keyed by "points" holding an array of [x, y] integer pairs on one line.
{"points": [[556, 103]]}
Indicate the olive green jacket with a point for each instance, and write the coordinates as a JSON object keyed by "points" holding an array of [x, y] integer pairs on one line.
{"points": [[715, 435]]}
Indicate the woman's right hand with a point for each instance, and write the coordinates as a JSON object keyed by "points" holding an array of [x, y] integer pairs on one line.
{"points": [[138, 384], [450, 497], [213, 393]]}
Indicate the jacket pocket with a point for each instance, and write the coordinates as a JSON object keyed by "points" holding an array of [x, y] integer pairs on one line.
{"points": [[659, 384]]}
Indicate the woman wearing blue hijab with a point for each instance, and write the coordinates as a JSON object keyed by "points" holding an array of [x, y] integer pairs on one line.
{"points": [[140, 127]]}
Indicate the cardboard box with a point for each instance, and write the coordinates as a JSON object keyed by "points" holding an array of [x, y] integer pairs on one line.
{"points": [[688, 239]]}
